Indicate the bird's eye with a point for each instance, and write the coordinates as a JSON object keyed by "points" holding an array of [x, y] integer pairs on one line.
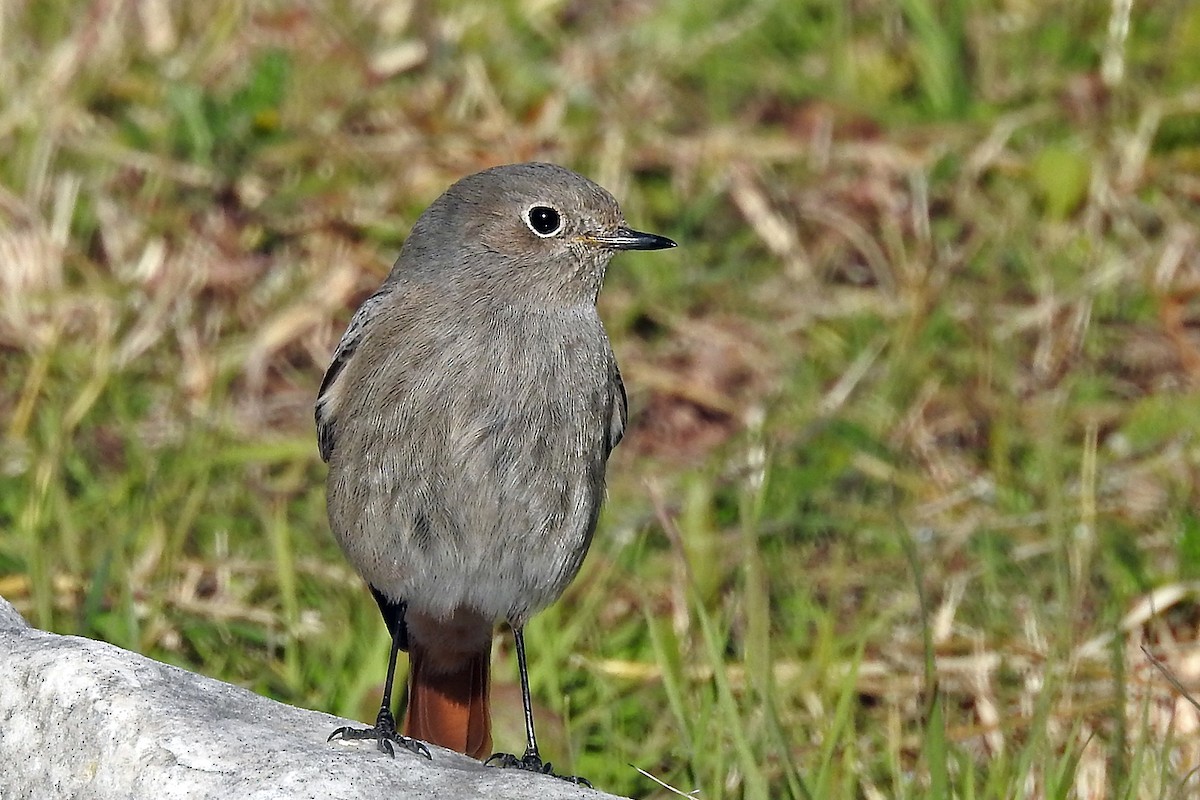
{"points": [[543, 220]]}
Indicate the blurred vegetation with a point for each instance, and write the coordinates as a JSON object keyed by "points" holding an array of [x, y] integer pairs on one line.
{"points": [[908, 507]]}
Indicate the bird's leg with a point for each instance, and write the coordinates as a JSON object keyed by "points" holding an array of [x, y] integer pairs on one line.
{"points": [[384, 732], [532, 760], [531, 749]]}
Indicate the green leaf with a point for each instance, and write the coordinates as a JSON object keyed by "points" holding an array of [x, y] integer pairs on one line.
{"points": [[1061, 175]]}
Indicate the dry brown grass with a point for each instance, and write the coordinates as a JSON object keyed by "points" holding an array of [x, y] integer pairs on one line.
{"points": [[901, 314]]}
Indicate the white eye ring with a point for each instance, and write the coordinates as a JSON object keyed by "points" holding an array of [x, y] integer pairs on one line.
{"points": [[544, 220]]}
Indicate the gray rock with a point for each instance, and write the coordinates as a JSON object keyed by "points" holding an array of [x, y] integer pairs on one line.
{"points": [[10, 618], [84, 719]]}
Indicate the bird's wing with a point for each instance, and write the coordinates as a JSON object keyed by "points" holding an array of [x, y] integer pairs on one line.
{"points": [[329, 395], [620, 411]]}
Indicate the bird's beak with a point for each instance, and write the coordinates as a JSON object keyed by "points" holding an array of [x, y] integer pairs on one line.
{"points": [[629, 239]]}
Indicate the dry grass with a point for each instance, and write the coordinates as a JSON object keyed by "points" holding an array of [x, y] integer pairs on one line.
{"points": [[908, 506]]}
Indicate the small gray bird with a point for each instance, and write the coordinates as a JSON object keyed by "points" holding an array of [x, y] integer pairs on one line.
{"points": [[467, 417]]}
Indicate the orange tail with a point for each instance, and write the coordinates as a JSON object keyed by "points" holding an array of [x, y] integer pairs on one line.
{"points": [[448, 703]]}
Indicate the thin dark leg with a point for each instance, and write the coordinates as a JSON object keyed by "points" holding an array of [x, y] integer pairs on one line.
{"points": [[532, 760], [384, 732], [531, 751], [386, 702]]}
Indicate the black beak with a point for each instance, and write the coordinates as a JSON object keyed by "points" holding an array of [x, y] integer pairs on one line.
{"points": [[629, 239]]}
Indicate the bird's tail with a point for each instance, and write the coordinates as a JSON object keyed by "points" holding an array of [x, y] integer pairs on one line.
{"points": [[448, 700]]}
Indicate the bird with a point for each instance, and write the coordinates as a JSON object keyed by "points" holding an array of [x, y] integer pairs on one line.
{"points": [[467, 417]]}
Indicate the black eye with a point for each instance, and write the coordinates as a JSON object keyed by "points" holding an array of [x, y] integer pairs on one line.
{"points": [[543, 220]]}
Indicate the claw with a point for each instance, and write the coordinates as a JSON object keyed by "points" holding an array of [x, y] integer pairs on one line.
{"points": [[532, 762], [384, 733]]}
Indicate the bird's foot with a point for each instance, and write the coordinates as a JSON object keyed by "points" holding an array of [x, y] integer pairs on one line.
{"points": [[532, 762], [384, 733]]}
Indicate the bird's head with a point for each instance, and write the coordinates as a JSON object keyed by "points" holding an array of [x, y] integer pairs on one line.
{"points": [[535, 231]]}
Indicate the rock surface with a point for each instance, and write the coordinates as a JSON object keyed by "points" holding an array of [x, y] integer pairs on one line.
{"points": [[84, 719]]}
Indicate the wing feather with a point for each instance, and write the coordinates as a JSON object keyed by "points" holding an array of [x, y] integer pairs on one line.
{"points": [[620, 411], [329, 395]]}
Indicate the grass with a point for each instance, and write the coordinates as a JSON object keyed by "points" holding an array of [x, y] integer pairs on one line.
{"points": [[913, 468]]}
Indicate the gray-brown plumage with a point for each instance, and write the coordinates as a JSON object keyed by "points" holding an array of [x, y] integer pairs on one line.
{"points": [[467, 417]]}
